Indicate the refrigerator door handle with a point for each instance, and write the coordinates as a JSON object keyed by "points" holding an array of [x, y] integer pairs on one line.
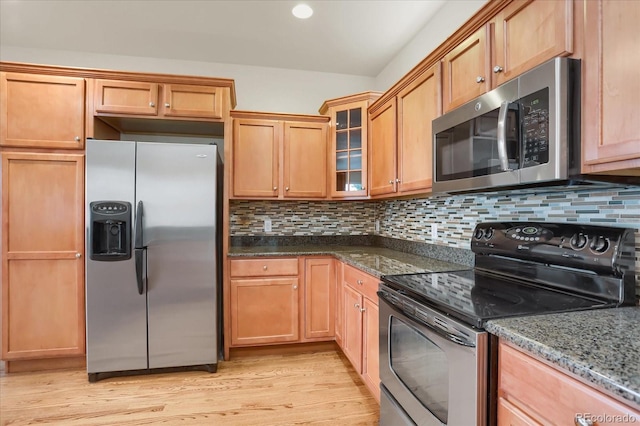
{"points": [[138, 226], [139, 255]]}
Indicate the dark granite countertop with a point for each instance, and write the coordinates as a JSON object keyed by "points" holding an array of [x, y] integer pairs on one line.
{"points": [[601, 347], [376, 261]]}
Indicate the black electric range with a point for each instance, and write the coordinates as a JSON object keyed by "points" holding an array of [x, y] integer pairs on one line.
{"points": [[528, 269]]}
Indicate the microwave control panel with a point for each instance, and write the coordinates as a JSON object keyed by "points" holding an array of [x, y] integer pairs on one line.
{"points": [[535, 128]]}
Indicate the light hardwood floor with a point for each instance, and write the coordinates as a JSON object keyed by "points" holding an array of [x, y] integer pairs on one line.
{"points": [[293, 389]]}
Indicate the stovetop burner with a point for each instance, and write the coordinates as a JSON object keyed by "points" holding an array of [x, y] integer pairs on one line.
{"points": [[530, 268]]}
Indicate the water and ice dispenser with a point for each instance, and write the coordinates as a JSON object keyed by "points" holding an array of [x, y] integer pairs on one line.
{"points": [[110, 230]]}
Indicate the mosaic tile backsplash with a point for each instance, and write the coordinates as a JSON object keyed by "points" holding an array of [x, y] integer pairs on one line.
{"points": [[455, 216]]}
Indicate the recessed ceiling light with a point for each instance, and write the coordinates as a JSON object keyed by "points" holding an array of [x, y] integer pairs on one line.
{"points": [[302, 11]]}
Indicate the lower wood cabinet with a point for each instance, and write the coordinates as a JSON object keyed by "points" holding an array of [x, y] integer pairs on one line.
{"points": [[360, 330], [281, 300], [531, 392], [42, 249]]}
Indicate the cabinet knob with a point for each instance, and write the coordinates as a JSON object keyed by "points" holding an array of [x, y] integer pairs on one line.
{"points": [[286, 188], [581, 421], [359, 282], [275, 188], [152, 104], [479, 79], [78, 255], [167, 105], [356, 305], [391, 181], [362, 309], [497, 69], [397, 180], [264, 267], [77, 138], [295, 287], [363, 188]]}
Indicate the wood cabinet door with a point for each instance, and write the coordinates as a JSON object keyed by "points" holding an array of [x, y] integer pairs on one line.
{"points": [[264, 310], [339, 323], [370, 347], [466, 70], [188, 101], [418, 104], [319, 298], [41, 111], [348, 155], [528, 33], [611, 88], [255, 154], [42, 255], [382, 150], [510, 415], [305, 160], [352, 338], [125, 97]]}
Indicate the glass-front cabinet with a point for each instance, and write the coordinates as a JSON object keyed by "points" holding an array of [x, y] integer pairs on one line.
{"points": [[348, 153]]}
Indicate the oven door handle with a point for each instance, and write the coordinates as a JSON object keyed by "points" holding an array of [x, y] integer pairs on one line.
{"points": [[440, 332]]}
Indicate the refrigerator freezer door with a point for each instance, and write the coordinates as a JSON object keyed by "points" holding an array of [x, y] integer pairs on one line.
{"points": [[116, 313], [177, 184]]}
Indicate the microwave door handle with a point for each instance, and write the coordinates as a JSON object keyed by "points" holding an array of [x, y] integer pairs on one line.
{"points": [[502, 136]]}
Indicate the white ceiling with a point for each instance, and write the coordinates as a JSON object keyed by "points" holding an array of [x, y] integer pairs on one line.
{"points": [[355, 37]]}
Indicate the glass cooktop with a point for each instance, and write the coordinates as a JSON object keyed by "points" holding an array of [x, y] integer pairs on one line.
{"points": [[475, 296]]}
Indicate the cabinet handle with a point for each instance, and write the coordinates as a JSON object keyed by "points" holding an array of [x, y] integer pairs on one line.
{"points": [[167, 105], [497, 69], [77, 138], [356, 305], [479, 79], [581, 421], [286, 188], [264, 267], [78, 255], [152, 104], [275, 188], [359, 282]]}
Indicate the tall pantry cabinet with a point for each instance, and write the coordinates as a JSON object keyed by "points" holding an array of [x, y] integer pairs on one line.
{"points": [[41, 138]]}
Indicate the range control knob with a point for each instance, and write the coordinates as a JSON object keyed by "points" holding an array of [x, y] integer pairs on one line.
{"points": [[488, 234], [578, 241], [599, 244], [478, 234]]}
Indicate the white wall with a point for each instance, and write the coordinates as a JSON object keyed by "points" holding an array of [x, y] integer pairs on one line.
{"points": [[257, 88], [445, 22]]}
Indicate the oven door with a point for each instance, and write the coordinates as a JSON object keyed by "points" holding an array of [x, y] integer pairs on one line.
{"points": [[435, 377]]}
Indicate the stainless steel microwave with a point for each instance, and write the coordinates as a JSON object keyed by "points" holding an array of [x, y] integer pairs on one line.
{"points": [[524, 132]]}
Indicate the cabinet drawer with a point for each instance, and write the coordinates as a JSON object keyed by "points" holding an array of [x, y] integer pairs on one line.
{"points": [[264, 267], [362, 282], [548, 395]]}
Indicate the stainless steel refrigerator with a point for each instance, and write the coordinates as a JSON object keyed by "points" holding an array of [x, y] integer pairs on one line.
{"points": [[153, 289]]}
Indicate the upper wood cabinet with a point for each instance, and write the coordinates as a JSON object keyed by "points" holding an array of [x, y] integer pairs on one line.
{"points": [[466, 70], [533, 393], [116, 97], [42, 255], [524, 34], [41, 111], [277, 159], [401, 145], [348, 144], [528, 33], [611, 88]]}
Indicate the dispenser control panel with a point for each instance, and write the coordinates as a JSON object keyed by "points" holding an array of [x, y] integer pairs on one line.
{"points": [[110, 207]]}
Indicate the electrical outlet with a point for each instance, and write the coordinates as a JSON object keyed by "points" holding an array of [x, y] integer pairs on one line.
{"points": [[267, 224], [434, 231], [377, 226]]}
